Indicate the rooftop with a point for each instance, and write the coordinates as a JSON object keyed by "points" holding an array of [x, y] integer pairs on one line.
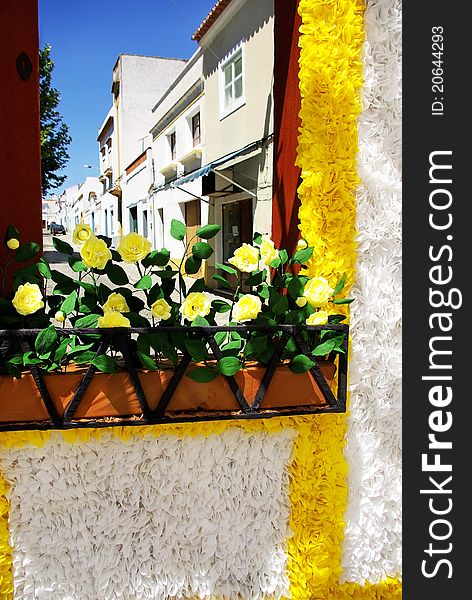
{"points": [[211, 17]]}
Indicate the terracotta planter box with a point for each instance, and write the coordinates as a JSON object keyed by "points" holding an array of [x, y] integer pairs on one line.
{"points": [[113, 396]]}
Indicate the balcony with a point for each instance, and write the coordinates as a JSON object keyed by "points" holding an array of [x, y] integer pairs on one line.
{"points": [[194, 154], [169, 170]]}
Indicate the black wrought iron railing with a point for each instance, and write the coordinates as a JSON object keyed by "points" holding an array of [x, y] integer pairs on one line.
{"points": [[120, 340]]}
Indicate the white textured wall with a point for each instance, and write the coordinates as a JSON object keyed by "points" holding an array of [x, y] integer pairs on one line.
{"points": [[372, 546]]}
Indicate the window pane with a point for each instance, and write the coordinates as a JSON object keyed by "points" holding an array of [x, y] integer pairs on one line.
{"points": [[238, 66], [238, 88], [228, 73], [228, 95]]}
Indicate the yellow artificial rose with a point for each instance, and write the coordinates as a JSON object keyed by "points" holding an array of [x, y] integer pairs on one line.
{"points": [[95, 253], [28, 299], [245, 258], [195, 305], [318, 318], [302, 244], [60, 316], [134, 247], [81, 234], [268, 250], [115, 303], [13, 243], [160, 309], [247, 308], [301, 301], [113, 319], [317, 292]]}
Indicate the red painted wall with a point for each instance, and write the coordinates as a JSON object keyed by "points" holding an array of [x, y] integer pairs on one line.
{"points": [[285, 202], [20, 155]]}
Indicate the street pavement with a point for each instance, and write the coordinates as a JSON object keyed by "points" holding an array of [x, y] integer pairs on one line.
{"points": [[59, 262]]}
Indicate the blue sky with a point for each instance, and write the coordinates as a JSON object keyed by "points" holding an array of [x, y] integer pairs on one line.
{"points": [[87, 36]]}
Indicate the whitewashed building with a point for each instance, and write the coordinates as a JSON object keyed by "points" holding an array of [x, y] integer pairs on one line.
{"points": [[123, 135]]}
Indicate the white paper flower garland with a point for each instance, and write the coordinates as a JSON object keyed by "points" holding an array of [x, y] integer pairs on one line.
{"points": [[372, 545], [151, 517]]}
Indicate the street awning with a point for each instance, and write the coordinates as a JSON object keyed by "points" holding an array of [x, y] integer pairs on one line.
{"points": [[216, 163]]}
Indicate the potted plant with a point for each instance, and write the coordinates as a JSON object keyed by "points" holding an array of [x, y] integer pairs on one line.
{"points": [[98, 343]]}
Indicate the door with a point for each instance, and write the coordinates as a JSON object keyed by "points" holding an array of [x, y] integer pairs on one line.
{"points": [[193, 223], [237, 230]]}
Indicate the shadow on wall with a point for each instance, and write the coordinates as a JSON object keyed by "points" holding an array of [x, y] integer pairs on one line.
{"points": [[247, 22]]}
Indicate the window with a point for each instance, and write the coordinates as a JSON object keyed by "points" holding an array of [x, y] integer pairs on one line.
{"points": [[133, 219], [112, 223], [172, 145], [232, 83], [196, 129], [145, 223]]}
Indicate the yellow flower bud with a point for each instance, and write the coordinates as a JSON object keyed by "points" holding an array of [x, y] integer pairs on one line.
{"points": [[28, 299], [116, 303], [60, 316], [95, 253], [301, 301], [302, 244], [134, 247], [161, 310], [113, 319], [318, 318], [13, 243], [82, 233], [247, 308], [245, 258], [195, 305]]}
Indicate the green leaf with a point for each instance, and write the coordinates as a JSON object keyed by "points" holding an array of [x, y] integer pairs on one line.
{"points": [[256, 278], [221, 306], [104, 363], [208, 231], [69, 303], [145, 283], [166, 273], [228, 269], [263, 291], [30, 359], [60, 352], [88, 287], [295, 288], [45, 340], [275, 264], [200, 322], [294, 317], [257, 238], [26, 251], [62, 247], [169, 352], [87, 321], [220, 337], [76, 265], [192, 265], [44, 269], [64, 288], [225, 283], [116, 256], [106, 239], [156, 258], [84, 357], [87, 304], [255, 346], [336, 318], [203, 374], [198, 286], [302, 256], [197, 349], [178, 230], [339, 285], [231, 347], [155, 293], [324, 348], [343, 301], [229, 365], [283, 255], [202, 250], [146, 361], [301, 364], [116, 274], [79, 349], [278, 303]]}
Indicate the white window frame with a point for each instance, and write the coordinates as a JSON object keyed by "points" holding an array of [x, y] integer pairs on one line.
{"points": [[231, 58]]}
